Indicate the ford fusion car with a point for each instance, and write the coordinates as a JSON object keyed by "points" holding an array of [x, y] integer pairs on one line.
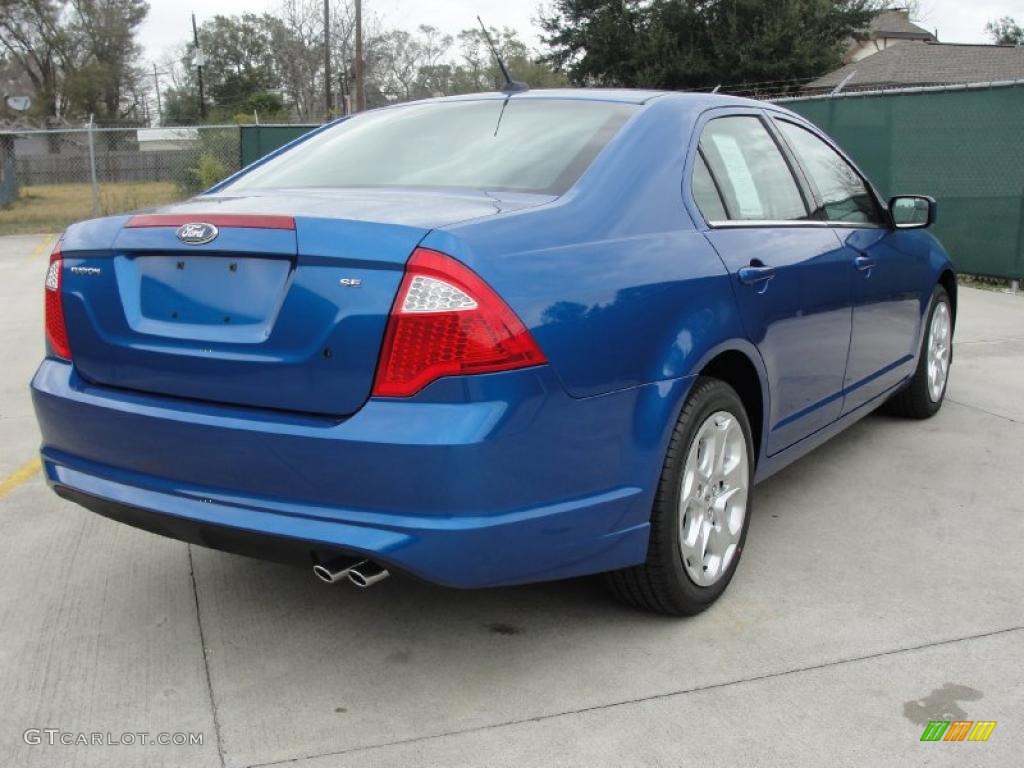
{"points": [[492, 340]]}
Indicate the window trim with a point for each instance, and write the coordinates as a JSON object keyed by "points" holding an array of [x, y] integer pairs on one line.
{"points": [[807, 191], [755, 223], [819, 200], [701, 157]]}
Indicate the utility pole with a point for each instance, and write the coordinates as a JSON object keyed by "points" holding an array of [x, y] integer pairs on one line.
{"points": [[344, 92], [357, 65], [200, 59], [92, 166], [327, 60], [156, 85]]}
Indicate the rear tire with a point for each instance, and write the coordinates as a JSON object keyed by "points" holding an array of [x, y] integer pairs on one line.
{"points": [[922, 397], [702, 505]]}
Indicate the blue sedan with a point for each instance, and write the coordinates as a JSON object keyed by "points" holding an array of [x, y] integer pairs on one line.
{"points": [[493, 339]]}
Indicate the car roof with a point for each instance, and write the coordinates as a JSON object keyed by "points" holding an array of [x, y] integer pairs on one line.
{"points": [[619, 95]]}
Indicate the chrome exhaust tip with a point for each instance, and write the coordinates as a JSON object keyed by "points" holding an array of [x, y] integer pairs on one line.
{"points": [[337, 569], [367, 573]]}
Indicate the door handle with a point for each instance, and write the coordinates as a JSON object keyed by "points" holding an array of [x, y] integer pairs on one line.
{"points": [[864, 264], [755, 274]]}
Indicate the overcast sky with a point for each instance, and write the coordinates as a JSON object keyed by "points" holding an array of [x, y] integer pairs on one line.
{"points": [[169, 25]]}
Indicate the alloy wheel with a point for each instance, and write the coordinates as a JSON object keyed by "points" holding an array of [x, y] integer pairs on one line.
{"points": [[938, 351], [713, 503]]}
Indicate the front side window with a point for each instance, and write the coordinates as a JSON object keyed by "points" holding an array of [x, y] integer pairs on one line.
{"points": [[754, 178], [845, 197], [518, 144]]}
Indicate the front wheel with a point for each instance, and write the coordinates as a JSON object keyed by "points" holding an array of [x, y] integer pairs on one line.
{"points": [[923, 395], [702, 509]]}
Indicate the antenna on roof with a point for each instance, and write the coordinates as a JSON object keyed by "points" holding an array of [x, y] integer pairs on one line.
{"points": [[717, 88], [511, 86]]}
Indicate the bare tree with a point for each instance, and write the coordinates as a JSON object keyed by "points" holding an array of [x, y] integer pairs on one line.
{"points": [[297, 34], [398, 64], [35, 39], [408, 58], [1005, 31]]}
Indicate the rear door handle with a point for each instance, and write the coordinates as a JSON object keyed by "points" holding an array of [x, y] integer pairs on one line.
{"points": [[864, 264], [756, 273]]}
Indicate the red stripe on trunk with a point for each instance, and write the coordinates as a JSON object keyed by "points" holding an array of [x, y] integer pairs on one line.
{"points": [[251, 220]]}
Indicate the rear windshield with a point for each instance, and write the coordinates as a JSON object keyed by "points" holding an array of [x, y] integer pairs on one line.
{"points": [[522, 145]]}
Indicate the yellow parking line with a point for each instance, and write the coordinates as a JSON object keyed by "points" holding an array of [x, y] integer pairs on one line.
{"points": [[41, 248], [19, 476]]}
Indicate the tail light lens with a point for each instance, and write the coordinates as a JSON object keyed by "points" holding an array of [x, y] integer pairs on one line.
{"points": [[446, 321], [56, 330]]}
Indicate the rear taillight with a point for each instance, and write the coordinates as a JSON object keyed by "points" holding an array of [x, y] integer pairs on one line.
{"points": [[56, 331], [446, 321]]}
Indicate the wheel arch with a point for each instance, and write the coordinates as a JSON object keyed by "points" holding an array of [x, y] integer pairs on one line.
{"points": [[740, 366], [948, 281]]}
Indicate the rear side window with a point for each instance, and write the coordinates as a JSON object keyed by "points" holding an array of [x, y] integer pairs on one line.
{"points": [[517, 144], [845, 197], [755, 179]]}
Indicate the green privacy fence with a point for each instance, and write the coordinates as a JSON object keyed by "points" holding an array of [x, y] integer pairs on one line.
{"points": [[964, 146], [259, 140]]}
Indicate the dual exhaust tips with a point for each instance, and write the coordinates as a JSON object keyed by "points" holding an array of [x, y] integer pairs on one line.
{"points": [[362, 573]]}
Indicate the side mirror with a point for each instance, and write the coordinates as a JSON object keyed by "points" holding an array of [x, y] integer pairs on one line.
{"points": [[912, 211]]}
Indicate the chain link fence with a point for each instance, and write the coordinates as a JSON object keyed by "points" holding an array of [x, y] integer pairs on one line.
{"points": [[51, 178], [961, 144]]}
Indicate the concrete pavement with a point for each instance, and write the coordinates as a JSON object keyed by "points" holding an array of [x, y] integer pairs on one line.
{"points": [[881, 587]]}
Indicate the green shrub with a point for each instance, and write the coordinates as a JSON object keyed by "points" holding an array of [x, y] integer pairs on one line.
{"points": [[213, 158], [209, 171]]}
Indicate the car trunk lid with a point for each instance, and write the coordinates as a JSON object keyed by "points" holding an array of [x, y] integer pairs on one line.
{"points": [[276, 312]]}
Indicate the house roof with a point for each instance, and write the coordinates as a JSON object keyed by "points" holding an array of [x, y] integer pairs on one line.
{"points": [[895, 22], [924, 63]]}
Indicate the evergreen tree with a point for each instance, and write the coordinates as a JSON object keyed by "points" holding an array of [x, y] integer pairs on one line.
{"points": [[678, 44]]}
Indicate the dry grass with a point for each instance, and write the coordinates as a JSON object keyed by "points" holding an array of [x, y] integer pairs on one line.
{"points": [[51, 207]]}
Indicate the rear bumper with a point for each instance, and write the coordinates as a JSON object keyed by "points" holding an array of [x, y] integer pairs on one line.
{"points": [[487, 480]]}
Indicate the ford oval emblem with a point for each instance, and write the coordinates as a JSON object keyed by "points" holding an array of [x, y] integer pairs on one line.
{"points": [[197, 233]]}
